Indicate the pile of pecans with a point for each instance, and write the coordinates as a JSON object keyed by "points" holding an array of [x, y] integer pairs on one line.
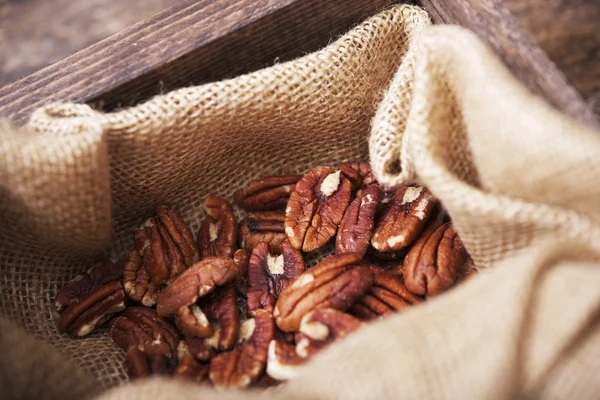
{"points": [[173, 302]]}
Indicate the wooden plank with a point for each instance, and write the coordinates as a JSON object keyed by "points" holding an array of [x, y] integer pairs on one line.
{"points": [[38, 33], [569, 33], [191, 43], [492, 21]]}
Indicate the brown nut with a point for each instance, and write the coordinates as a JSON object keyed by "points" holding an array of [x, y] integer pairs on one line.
{"points": [[241, 258], [269, 274], [436, 261], [151, 248], [92, 310], [181, 247], [82, 285], [136, 364], [224, 316], [268, 193], [199, 349], [136, 281], [243, 365], [403, 219], [283, 362], [333, 283], [193, 322], [322, 327], [316, 207], [387, 296], [266, 226], [142, 328], [188, 367], [358, 173], [218, 232], [356, 228], [195, 282]]}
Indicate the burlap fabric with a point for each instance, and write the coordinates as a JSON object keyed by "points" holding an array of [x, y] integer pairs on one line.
{"points": [[520, 180]]}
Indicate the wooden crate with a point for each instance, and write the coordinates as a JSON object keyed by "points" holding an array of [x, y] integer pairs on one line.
{"points": [[199, 41]]}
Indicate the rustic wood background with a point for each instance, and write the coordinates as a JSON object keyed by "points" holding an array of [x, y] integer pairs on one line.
{"points": [[35, 33]]}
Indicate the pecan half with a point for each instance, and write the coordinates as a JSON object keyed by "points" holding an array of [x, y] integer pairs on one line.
{"points": [[188, 367], [142, 328], [195, 282], [136, 281], [165, 248], [243, 365], [192, 321], [316, 207], [403, 219], [218, 232], [387, 295], [136, 364], [283, 362], [356, 227], [269, 274], [321, 327], [358, 173], [333, 283], [92, 310], [199, 349], [80, 286], [266, 226], [182, 251], [436, 261], [265, 194], [224, 315]]}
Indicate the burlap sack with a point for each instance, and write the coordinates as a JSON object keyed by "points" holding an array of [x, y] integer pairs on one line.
{"points": [[520, 180]]}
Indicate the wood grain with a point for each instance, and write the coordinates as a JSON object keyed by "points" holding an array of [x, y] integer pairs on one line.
{"points": [[191, 43], [492, 21], [569, 33], [38, 33]]}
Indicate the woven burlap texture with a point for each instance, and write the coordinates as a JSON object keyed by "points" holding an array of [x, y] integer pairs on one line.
{"points": [[520, 181]]}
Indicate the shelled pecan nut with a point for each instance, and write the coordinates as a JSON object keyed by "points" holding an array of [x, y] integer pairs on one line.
{"points": [[136, 364], [80, 286], [193, 322], [224, 315], [403, 219], [358, 173], [244, 364], [316, 207], [136, 281], [356, 228], [266, 194], [241, 258], [436, 261], [218, 232], [188, 367], [269, 274], [195, 282], [333, 283], [182, 251], [92, 310], [142, 328], [321, 327], [165, 248], [265, 226], [387, 295], [283, 363], [199, 349]]}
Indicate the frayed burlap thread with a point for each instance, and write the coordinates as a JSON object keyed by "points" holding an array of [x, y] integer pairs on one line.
{"points": [[520, 181]]}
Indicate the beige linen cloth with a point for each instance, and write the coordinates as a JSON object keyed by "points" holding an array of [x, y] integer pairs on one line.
{"points": [[429, 103]]}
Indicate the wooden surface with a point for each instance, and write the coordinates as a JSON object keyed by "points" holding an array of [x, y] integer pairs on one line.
{"points": [[495, 24], [569, 33], [40, 32], [200, 41], [191, 43]]}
